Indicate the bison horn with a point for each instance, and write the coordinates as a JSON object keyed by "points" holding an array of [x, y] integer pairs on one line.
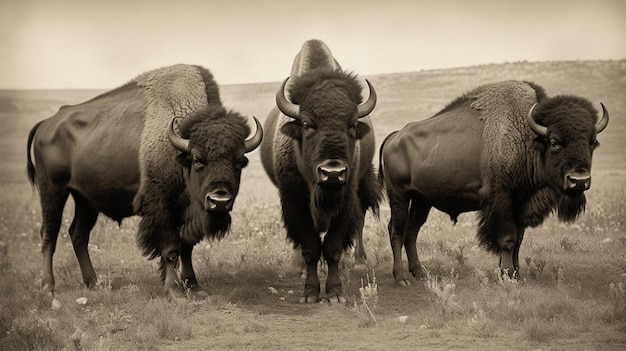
{"points": [[604, 121], [368, 106], [540, 130], [181, 144], [255, 140], [286, 107]]}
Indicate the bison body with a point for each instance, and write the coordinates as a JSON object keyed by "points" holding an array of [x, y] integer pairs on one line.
{"points": [[494, 151], [318, 151], [118, 154]]}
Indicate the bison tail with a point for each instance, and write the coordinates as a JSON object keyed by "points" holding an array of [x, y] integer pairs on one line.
{"points": [[30, 166], [381, 166]]}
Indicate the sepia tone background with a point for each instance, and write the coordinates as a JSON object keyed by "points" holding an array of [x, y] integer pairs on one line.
{"points": [[419, 55], [71, 44]]}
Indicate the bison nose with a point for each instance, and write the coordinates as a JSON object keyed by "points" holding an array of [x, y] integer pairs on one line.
{"points": [[332, 172], [577, 181], [218, 200]]}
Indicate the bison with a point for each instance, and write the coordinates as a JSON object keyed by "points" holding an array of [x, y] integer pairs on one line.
{"points": [[318, 152], [118, 154], [503, 149]]}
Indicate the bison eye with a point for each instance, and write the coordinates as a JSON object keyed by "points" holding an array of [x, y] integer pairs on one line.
{"points": [[306, 126], [197, 163], [555, 145], [353, 127], [595, 143], [242, 162]]}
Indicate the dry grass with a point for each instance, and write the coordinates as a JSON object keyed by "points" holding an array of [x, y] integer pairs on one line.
{"points": [[572, 294]]}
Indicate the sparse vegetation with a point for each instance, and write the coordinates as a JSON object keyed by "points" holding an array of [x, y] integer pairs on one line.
{"points": [[443, 290], [366, 306], [571, 294]]}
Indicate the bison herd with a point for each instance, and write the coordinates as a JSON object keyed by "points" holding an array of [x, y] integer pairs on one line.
{"points": [[163, 147]]}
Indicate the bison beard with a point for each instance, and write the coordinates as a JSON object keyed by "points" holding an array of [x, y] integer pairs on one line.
{"points": [[200, 224], [571, 206], [325, 204], [197, 225]]}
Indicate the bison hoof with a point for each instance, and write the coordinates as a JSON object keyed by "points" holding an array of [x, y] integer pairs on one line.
{"points": [[191, 289], [336, 299], [403, 283], [507, 274], [174, 294], [197, 295], [419, 274], [309, 299], [47, 289], [359, 260]]}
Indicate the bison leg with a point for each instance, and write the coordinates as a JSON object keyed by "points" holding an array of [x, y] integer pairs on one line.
{"points": [[85, 218], [520, 237], [298, 263], [397, 230], [311, 253], [187, 274], [299, 225], [359, 251], [52, 203], [169, 261], [508, 244], [339, 237], [417, 217], [334, 289], [499, 233]]}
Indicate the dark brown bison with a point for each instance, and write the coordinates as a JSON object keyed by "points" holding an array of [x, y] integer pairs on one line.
{"points": [[504, 149], [118, 154], [318, 152]]}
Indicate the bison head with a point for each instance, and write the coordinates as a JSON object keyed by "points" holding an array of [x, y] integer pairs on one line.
{"points": [[327, 112], [566, 129], [213, 145]]}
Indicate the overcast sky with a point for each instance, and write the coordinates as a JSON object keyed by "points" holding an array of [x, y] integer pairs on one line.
{"points": [[103, 44]]}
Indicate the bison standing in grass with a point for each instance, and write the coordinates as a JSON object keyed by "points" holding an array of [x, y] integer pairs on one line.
{"points": [[504, 149], [318, 152], [118, 154]]}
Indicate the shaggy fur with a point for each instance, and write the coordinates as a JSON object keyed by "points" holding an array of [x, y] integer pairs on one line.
{"points": [[224, 130], [113, 155], [334, 87], [329, 98], [324, 79], [479, 154], [511, 163], [174, 91]]}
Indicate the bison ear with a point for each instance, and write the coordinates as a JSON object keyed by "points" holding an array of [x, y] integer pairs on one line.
{"points": [[362, 129], [184, 160], [292, 129]]}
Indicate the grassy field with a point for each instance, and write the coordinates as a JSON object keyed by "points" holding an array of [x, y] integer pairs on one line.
{"points": [[572, 296]]}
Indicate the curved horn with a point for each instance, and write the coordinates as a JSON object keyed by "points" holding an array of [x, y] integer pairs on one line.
{"points": [[181, 144], [255, 140], [286, 107], [368, 106], [604, 121], [540, 130]]}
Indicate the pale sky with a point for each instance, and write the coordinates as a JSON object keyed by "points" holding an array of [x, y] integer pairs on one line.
{"points": [[75, 44]]}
